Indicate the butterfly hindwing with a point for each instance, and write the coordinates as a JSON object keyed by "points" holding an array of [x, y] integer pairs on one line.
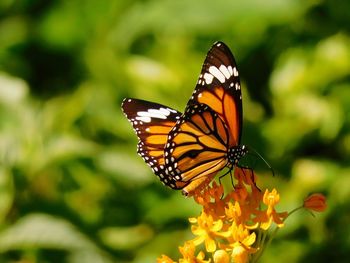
{"points": [[197, 145], [152, 123]]}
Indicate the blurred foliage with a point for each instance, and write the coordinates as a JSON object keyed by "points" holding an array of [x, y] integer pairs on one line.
{"points": [[72, 188]]}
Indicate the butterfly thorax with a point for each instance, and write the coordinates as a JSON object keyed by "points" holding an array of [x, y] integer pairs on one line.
{"points": [[235, 153]]}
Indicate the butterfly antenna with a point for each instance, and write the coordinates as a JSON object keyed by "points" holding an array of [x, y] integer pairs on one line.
{"points": [[262, 158]]}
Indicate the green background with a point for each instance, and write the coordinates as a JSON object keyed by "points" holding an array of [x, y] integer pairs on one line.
{"points": [[72, 188]]}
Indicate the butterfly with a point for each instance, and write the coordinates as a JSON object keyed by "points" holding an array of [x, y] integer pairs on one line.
{"points": [[186, 150]]}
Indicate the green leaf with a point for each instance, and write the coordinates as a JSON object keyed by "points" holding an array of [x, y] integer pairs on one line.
{"points": [[44, 231]]}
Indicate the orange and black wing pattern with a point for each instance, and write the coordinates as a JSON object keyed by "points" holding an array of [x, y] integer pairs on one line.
{"points": [[187, 150], [219, 87], [152, 123], [198, 145]]}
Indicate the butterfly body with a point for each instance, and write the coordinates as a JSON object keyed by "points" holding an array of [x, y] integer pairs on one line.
{"points": [[186, 150]]}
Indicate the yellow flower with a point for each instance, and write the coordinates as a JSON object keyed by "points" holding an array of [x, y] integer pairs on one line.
{"points": [[315, 202], [206, 230], [233, 212], [242, 250], [188, 254], [235, 227], [240, 242], [265, 218], [271, 198], [240, 235]]}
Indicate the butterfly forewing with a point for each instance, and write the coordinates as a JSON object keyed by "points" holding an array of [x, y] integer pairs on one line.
{"points": [[152, 123], [219, 87]]}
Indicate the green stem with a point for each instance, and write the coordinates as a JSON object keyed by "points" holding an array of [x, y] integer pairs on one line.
{"points": [[292, 212], [260, 252], [274, 233]]}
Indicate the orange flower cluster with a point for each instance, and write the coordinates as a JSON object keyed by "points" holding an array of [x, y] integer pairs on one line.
{"points": [[235, 227]]}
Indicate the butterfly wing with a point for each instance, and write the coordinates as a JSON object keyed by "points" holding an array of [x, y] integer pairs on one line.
{"points": [[197, 145], [219, 87], [152, 123]]}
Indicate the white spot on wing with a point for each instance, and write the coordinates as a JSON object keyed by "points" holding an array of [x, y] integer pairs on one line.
{"points": [[217, 73], [208, 78], [160, 112], [225, 71], [151, 113], [144, 119], [235, 72]]}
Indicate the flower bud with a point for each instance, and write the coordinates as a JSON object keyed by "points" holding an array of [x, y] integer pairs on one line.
{"points": [[315, 202], [221, 256]]}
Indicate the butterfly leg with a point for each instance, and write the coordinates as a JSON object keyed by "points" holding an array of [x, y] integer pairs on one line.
{"points": [[231, 177], [228, 172]]}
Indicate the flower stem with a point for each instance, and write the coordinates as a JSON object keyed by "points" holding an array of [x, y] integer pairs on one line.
{"points": [[261, 244]]}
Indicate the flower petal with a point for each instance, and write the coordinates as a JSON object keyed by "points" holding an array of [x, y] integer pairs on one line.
{"points": [[210, 245]]}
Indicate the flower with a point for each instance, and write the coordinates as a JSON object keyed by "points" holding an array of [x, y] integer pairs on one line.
{"points": [[315, 202], [271, 198], [266, 217], [233, 211], [236, 227], [206, 230], [240, 241], [211, 198], [188, 254]]}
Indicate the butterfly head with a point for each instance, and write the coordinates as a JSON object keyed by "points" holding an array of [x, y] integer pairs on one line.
{"points": [[235, 153]]}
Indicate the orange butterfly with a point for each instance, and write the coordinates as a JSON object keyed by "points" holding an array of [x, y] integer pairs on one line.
{"points": [[187, 150]]}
